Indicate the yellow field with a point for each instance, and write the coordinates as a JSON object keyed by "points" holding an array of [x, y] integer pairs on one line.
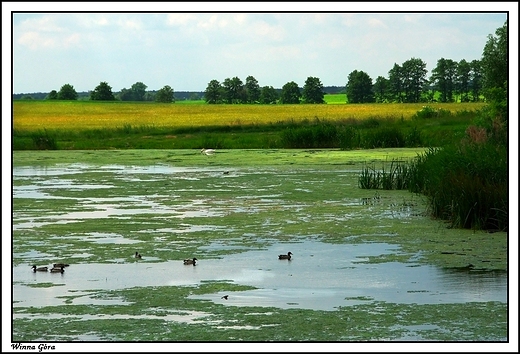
{"points": [[79, 115]]}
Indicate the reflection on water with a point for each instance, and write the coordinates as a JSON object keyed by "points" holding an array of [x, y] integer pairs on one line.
{"points": [[320, 276]]}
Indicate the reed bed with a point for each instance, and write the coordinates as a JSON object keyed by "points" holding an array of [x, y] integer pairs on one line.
{"points": [[466, 185], [395, 177]]}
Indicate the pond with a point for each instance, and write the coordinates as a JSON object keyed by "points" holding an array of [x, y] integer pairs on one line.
{"points": [[353, 251]]}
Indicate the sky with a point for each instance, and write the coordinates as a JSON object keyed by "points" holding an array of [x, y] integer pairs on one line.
{"points": [[177, 46]]}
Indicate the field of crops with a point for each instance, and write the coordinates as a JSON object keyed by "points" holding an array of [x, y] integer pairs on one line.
{"points": [[80, 115]]}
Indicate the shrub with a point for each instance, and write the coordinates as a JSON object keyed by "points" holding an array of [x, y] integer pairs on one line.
{"points": [[44, 141], [428, 112]]}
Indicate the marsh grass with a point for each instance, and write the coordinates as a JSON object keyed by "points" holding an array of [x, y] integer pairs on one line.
{"points": [[395, 177], [466, 184], [43, 140]]}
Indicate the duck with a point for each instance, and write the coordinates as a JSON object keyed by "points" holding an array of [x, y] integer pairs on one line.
{"points": [[190, 261], [137, 255], [57, 270], [225, 297], [40, 269], [59, 265], [285, 256]]}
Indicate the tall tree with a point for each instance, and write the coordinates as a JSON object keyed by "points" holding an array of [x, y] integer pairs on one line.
{"points": [[359, 87], [138, 91], [268, 95], [234, 91], [494, 59], [67, 92], [463, 79], [252, 90], [149, 96], [165, 95], [396, 82], [102, 92], [381, 89], [476, 79], [290, 93], [125, 94], [495, 71], [214, 92], [313, 91], [444, 77], [414, 74]]}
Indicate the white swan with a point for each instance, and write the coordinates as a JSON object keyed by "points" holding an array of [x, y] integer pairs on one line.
{"points": [[207, 151]]}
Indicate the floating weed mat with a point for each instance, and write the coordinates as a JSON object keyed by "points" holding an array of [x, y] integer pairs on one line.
{"points": [[163, 314], [396, 177]]}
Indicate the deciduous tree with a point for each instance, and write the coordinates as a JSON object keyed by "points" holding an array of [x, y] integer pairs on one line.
{"points": [[359, 87], [252, 90], [494, 59], [268, 95], [476, 79], [414, 75], [234, 91], [313, 91], [290, 93], [138, 91], [381, 89], [396, 82], [53, 95], [165, 95], [102, 92], [214, 92], [463, 80], [444, 78], [67, 92]]}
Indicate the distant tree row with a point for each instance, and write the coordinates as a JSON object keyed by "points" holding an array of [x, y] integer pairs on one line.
{"points": [[233, 90], [408, 83], [103, 92]]}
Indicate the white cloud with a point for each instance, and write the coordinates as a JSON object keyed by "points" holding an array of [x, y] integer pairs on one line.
{"points": [[376, 23], [180, 19], [187, 50], [34, 40], [130, 24]]}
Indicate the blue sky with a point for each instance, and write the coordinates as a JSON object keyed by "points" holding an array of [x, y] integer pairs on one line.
{"points": [[186, 50]]}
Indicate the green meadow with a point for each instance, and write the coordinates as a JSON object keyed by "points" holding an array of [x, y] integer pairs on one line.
{"points": [[79, 125]]}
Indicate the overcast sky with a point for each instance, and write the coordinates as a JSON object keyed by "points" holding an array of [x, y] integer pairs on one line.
{"points": [[187, 50]]}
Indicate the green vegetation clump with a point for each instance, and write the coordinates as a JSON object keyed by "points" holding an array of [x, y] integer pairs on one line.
{"points": [[466, 184]]}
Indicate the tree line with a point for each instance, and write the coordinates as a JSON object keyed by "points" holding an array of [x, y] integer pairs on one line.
{"points": [[408, 82], [233, 90], [103, 92]]}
